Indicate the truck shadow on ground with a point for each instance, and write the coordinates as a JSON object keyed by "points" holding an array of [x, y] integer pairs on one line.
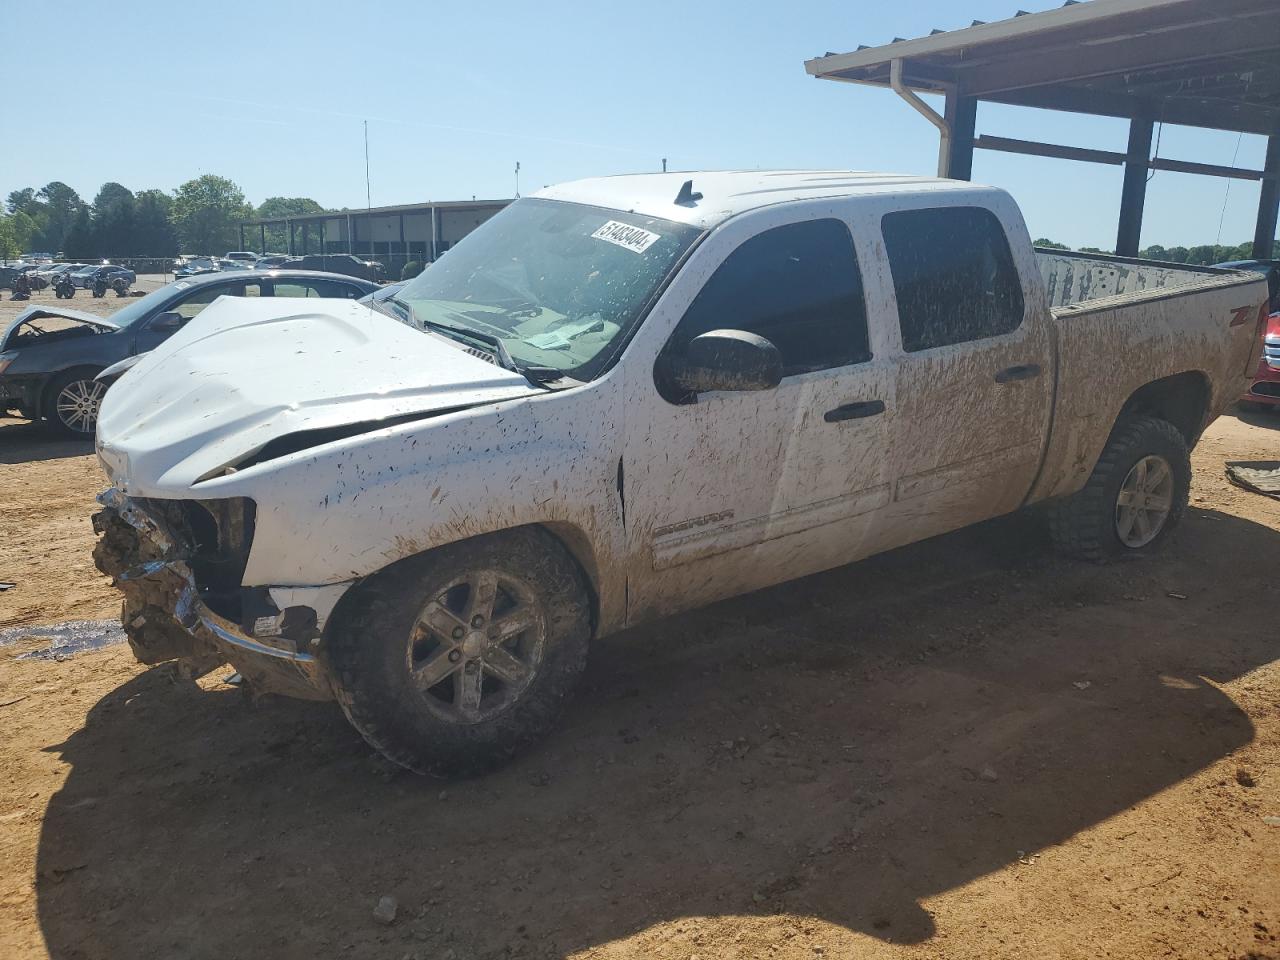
{"points": [[843, 747], [31, 441]]}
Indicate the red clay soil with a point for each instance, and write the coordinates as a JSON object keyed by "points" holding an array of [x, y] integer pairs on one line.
{"points": [[965, 749]]}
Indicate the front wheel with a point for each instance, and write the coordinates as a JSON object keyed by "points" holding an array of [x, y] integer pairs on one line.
{"points": [[450, 662], [1135, 496], [74, 399]]}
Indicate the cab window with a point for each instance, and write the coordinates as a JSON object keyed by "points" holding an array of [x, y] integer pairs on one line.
{"points": [[797, 286], [953, 274]]}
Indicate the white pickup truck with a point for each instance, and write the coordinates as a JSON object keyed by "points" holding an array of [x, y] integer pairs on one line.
{"points": [[627, 397]]}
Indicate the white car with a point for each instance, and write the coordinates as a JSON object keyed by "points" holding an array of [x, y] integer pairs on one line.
{"points": [[628, 397]]}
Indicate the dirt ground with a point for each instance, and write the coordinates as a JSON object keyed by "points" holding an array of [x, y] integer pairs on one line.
{"points": [[964, 749]]}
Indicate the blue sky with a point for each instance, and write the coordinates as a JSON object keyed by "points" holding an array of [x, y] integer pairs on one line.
{"points": [[272, 95]]}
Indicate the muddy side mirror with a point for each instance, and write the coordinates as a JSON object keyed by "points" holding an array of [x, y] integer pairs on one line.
{"points": [[727, 360]]}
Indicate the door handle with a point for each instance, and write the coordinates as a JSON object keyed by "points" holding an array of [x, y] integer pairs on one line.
{"points": [[1026, 371], [855, 411]]}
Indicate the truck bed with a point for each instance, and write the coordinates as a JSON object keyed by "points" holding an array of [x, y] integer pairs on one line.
{"points": [[1080, 281], [1121, 324]]}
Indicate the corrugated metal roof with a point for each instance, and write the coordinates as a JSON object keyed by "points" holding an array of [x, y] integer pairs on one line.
{"points": [[1211, 63], [995, 30]]}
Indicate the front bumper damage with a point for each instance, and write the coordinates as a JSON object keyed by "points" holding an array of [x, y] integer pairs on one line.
{"points": [[166, 619]]}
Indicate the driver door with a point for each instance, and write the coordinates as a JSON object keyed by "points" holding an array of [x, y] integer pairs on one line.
{"points": [[728, 492]]}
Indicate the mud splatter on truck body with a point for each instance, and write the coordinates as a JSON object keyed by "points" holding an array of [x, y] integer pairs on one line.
{"points": [[892, 421]]}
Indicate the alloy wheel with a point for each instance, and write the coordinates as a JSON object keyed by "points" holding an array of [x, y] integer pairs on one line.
{"points": [[476, 647], [78, 404], [1144, 502]]}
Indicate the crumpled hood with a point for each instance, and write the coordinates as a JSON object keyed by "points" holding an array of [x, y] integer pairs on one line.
{"points": [[35, 313], [246, 372]]}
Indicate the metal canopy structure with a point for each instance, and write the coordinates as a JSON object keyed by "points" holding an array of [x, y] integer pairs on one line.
{"points": [[1203, 63]]}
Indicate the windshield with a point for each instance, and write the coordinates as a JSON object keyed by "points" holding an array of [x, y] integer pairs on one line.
{"points": [[562, 284]]}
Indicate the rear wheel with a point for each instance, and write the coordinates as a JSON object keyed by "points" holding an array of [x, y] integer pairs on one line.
{"points": [[450, 662], [73, 401], [1137, 493]]}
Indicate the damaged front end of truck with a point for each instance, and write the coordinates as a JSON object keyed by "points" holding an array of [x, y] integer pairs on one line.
{"points": [[178, 564]]}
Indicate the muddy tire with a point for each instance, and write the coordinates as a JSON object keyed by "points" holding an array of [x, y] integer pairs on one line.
{"points": [[72, 401], [1136, 495], [450, 662]]}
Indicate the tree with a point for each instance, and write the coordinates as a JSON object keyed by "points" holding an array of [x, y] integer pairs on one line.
{"points": [[79, 242], [21, 201], [154, 235], [205, 213], [28, 218], [113, 221], [278, 237], [62, 205], [8, 239], [1051, 244]]}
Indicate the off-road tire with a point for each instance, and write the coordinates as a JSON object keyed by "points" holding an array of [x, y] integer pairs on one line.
{"points": [[1084, 525], [364, 646]]}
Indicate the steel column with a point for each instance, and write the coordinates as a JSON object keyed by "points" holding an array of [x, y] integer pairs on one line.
{"points": [[1133, 198], [262, 228], [1264, 240], [242, 236], [288, 226], [962, 115]]}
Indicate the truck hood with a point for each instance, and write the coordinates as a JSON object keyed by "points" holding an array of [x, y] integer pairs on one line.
{"points": [[248, 372], [37, 313]]}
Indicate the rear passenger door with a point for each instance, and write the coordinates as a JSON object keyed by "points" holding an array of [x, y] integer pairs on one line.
{"points": [[974, 377]]}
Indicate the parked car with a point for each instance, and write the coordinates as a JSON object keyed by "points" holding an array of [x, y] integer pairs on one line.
{"points": [[51, 272], [1264, 392], [50, 356], [105, 271], [625, 398], [8, 272], [195, 266], [339, 263], [85, 277], [224, 264], [272, 261], [36, 278], [244, 256]]}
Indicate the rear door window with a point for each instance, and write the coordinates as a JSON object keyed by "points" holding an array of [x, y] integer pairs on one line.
{"points": [[953, 274], [797, 286], [316, 288]]}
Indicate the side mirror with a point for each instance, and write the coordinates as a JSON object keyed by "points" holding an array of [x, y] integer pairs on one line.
{"points": [[167, 322], [727, 360]]}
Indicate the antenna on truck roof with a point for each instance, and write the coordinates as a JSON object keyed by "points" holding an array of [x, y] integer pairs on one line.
{"points": [[686, 197]]}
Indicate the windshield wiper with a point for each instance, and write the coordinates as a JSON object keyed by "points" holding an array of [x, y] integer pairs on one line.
{"points": [[532, 372]]}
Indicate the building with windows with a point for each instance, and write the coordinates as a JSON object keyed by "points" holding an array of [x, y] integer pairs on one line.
{"points": [[392, 235]]}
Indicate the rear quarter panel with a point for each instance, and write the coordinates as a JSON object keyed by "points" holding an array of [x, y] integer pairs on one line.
{"points": [[1110, 348]]}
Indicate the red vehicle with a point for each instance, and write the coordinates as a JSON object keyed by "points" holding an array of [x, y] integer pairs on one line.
{"points": [[1266, 382]]}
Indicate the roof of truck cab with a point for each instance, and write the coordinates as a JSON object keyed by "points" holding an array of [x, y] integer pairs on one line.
{"points": [[727, 193]]}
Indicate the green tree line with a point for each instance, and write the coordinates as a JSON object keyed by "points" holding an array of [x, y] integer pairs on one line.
{"points": [[200, 216], [1205, 255]]}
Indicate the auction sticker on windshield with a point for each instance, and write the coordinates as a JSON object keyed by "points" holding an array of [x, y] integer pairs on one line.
{"points": [[625, 235]]}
